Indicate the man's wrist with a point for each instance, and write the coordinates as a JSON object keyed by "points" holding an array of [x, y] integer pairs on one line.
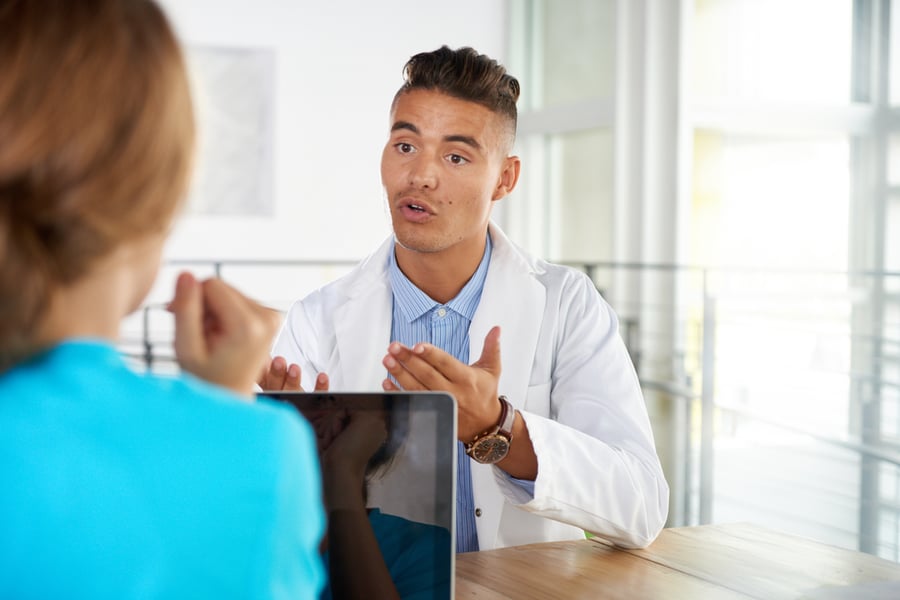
{"points": [[493, 444]]}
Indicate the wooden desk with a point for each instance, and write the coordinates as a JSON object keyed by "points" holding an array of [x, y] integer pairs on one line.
{"points": [[694, 563]]}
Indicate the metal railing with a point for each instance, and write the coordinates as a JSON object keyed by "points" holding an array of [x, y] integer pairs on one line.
{"points": [[719, 399]]}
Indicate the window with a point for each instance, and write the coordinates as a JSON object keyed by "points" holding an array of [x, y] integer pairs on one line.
{"points": [[728, 172], [563, 55]]}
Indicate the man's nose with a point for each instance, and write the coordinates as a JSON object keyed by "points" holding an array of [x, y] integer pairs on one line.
{"points": [[423, 174]]}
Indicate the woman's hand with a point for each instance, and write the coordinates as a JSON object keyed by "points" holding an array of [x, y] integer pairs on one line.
{"points": [[221, 335]]}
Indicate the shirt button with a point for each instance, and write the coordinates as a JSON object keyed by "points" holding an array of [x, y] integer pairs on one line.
{"points": [[477, 512], [441, 312]]}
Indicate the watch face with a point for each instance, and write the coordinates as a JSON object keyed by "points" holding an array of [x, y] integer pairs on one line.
{"points": [[490, 449]]}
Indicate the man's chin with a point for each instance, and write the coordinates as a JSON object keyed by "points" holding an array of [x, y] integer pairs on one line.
{"points": [[414, 244]]}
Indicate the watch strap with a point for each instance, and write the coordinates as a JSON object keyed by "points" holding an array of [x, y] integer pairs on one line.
{"points": [[507, 418], [503, 427]]}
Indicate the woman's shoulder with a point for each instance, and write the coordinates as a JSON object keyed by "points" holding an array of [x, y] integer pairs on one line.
{"points": [[89, 380], [218, 405]]}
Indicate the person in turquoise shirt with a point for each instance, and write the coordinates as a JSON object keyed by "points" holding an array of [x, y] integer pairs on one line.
{"points": [[117, 484]]}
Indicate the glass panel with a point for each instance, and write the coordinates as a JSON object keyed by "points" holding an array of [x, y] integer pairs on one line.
{"points": [[890, 417], [580, 200], [892, 241], [894, 64], [770, 202], [772, 50], [787, 482], [578, 50], [893, 162], [889, 513], [771, 215]]}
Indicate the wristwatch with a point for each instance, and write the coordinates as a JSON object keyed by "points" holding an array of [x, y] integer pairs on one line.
{"points": [[493, 445]]}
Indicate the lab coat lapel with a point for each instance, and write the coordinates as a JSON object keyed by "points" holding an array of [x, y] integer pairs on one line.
{"points": [[362, 327], [513, 299]]}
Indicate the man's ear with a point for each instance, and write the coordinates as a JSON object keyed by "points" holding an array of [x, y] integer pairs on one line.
{"points": [[509, 176]]}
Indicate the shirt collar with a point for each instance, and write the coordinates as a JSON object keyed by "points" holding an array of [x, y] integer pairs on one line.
{"points": [[414, 303]]}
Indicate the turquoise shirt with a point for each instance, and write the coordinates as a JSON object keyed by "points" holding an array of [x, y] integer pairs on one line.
{"points": [[120, 485], [417, 555]]}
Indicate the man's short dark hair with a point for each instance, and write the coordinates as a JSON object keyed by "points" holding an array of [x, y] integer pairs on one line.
{"points": [[465, 74]]}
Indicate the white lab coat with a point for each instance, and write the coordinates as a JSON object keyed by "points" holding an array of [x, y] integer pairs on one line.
{"points": [[564, 367]]}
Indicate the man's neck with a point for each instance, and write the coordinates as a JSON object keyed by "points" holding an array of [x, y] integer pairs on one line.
{"points": [[440, 275]]}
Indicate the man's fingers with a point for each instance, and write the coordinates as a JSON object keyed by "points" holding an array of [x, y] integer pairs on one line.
{"points": [[291, 381], [443, 362], [490, 354], [404, 378], [435, 368], [411, 371], [274, 377], [283, 377], [321, 381]]}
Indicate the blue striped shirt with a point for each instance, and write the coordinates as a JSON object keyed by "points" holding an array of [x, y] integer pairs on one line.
{"points": [[418, 318]]}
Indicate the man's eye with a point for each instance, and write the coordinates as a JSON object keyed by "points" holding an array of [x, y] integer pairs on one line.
{"points": [[456, 159], [405, 148]]}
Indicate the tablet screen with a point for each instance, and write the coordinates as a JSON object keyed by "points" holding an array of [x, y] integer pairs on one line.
{"points": [[410, 482]]}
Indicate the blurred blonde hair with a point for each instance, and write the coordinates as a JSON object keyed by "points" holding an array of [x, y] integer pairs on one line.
{"points": [[96, 144]]}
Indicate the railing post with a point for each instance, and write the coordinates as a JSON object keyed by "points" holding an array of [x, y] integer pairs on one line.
{"points": [[145, 338], [707, 403]]}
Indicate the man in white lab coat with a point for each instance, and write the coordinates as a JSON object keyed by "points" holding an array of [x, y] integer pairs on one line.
{"points": [[554, 433]]}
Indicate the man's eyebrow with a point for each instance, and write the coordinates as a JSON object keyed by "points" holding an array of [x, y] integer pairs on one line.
{"points": [[404, 125], [465, 139]]}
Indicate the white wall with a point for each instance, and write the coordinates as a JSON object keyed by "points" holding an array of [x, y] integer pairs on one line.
{"points": [[337, 66]]}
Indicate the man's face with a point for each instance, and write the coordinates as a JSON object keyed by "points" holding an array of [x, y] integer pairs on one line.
{"points": [[442, 167]]}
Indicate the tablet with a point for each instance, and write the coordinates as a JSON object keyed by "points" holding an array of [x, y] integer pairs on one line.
{"points": [[411, 477]]}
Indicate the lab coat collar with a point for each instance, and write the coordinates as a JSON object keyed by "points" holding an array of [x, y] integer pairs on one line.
{"points": [[512, 298]]}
